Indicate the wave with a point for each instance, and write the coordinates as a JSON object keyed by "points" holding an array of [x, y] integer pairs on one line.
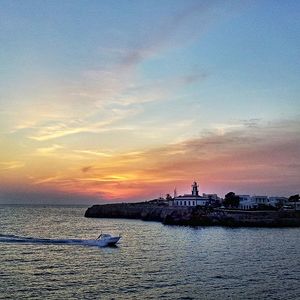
{"points": [[10, 238]]}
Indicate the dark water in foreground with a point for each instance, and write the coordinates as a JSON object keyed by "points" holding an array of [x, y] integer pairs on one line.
{"points": [[152, 261]]}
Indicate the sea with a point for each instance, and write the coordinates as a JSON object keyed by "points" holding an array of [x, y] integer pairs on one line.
{"points": [[43, 255]]}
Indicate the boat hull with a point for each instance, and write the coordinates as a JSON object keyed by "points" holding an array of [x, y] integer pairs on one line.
{"points": [[113, 240]]}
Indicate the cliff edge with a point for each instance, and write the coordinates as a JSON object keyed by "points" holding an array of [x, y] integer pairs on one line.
{"points": [[195, 216]]}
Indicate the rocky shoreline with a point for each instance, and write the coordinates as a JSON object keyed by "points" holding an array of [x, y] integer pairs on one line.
{"points": [[195, 216]]}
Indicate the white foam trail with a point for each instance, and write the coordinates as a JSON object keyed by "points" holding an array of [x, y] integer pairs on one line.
{"points": [[10, 238]]}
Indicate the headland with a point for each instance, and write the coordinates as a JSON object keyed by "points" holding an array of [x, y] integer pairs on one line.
{"points": [[196, 216]]}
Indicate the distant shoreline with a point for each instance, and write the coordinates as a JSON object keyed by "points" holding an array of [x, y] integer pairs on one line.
{"points": [[46, 204], [195, 216]]}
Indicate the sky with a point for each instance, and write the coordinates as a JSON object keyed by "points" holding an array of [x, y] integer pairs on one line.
{"points": [[109, 101]]}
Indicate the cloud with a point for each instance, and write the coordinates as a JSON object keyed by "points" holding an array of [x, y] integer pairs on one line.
{"points": [[172, 32], [249, 160], [93, 153], [238, 159], [48, 150], [71, 109], [122, 76], [54, 131], [86, 169], [10, 165], [261, 159], [46, 180]]}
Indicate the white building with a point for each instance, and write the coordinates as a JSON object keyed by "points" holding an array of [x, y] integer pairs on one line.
{"points": [[193, 199], [274, 200], [260, 200], [211, 197], [252, 202], [245, 202]]}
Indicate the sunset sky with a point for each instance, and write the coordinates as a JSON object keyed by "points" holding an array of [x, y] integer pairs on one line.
{"points": [[125, 100]]}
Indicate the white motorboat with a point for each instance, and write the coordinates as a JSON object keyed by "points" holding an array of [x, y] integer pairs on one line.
{"points": [[108, 239]]}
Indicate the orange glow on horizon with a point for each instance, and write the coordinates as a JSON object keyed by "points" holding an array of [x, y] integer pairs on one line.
{"points": [[215, 162]]}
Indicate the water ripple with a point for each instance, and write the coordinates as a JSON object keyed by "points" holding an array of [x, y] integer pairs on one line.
{"points": [[152, 261]]}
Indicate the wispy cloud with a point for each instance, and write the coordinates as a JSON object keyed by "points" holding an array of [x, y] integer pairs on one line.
{"points": [[48, 150], [118, 85], [10, 165], [175, 31], [93, 153], [59, 130], [121, 81], [47, 180]]}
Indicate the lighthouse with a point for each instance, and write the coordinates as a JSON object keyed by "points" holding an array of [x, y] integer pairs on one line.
{"points": [[195, 191], [194, 199]]}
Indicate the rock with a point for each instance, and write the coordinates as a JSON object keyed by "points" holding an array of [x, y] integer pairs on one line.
{"points": [[195, 216]]}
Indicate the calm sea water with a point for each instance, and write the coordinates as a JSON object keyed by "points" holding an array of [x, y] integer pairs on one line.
{"points": [[152, 261]]}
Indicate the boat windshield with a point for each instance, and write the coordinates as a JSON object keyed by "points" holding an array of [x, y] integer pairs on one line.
{"points": [[103, 235]]}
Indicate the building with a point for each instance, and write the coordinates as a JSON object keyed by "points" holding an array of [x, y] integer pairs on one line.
{"points": [[277, 201], [211, 197], [254, 202], [245, 202], [194, 199], [257, 200]]}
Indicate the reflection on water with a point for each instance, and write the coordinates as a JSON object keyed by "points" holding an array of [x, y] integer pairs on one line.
{"points": [[152, 261]]}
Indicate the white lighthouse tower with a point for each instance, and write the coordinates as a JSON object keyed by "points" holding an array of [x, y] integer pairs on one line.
{"points": [[195, 191]]}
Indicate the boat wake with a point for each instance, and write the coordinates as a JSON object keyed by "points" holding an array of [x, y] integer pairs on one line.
{"points": [[10, 238]]}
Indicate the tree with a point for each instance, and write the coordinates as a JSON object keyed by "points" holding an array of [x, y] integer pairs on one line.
{"points": [[294, 198], [231, 200], [168, 197]]}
